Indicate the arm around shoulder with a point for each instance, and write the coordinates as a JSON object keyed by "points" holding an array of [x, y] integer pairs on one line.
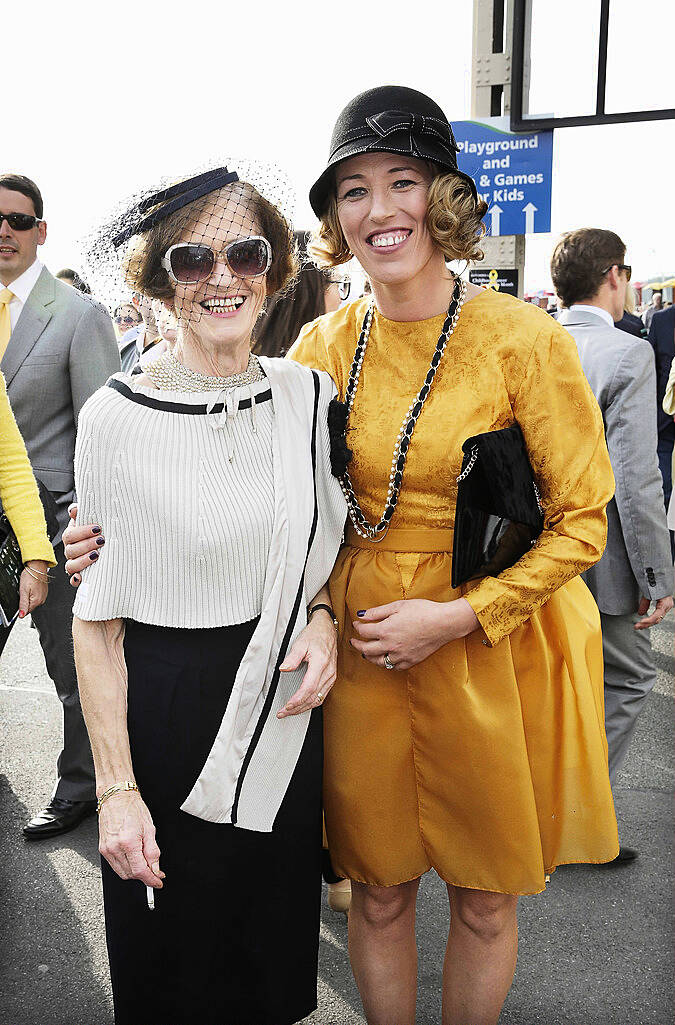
{"points": [[309, 348]]}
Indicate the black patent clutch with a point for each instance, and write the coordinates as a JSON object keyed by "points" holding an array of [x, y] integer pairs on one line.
{"points": [[11, 563], [498, 515]]}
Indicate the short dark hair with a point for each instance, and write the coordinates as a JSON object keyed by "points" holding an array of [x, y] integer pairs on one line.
{"points": [[581, 259], [19, 183], [68, 274]]}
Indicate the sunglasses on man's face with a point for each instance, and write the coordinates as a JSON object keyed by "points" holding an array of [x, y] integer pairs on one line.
{"points": [[127, 320], [189, 263], [621, 266], [20, 222]]}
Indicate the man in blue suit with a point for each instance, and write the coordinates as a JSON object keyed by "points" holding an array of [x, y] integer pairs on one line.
{"points": [[662, 341]]}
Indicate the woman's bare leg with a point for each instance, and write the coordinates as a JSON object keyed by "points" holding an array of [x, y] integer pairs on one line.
{"points": [[383, 952], [481, 956]]}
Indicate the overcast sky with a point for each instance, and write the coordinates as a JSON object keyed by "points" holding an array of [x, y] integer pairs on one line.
{"points": [[104, 99]]}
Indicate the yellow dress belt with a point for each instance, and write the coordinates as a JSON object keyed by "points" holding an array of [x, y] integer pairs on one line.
{"points": [[404, 539]]}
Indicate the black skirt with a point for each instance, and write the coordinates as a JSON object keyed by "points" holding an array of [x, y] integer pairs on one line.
{"points": [[233, 939]]}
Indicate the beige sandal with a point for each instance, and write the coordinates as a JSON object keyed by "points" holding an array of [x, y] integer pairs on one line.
{"points": [[340, 895]]}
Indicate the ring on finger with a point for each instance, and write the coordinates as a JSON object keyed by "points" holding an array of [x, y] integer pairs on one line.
{"points": [[319, 696], [388, 664]]}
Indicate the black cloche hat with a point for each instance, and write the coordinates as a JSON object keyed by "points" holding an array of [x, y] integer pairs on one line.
{"points": [[389, 119]]}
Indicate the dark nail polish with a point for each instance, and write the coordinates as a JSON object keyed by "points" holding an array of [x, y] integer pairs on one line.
{"points": [[362, 655], [93, 556], [100, 541], [361, 612], [96, 530], [76, 579]]}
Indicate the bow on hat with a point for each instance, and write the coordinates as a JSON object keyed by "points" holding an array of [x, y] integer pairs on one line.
{"points": [[390, 121]]}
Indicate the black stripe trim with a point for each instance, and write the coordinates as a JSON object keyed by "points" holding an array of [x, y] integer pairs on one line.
{"points": [[264, 715], [181, 407]]}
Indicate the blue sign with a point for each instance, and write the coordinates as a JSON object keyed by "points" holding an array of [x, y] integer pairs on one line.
{"points": [[512, 174]]}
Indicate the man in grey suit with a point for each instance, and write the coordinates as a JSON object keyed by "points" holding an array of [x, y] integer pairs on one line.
{"points": [[60, 348], [590, 277]]}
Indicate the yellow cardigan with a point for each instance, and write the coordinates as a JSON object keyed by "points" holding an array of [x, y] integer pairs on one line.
{"points": [[18, 490]]}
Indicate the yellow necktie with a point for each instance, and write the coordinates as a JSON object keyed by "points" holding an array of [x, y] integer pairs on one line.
{"points": [[5, 323]]}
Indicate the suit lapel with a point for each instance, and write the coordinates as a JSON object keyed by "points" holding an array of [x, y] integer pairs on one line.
{"points": [[32, 321]]}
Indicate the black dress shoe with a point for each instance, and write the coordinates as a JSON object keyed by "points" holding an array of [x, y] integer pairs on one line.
{"points": [[58, 817]]}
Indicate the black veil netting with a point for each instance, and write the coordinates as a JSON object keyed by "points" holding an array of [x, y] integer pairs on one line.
{"points": [[206, 210]]}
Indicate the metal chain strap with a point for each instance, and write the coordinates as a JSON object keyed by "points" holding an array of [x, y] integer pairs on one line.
{"points": [[469, 466]]}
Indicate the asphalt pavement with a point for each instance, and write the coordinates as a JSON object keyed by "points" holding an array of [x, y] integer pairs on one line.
{"points": [[595, 949]]}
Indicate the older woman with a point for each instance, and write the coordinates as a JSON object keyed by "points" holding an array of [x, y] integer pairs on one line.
{"points": [[466, 732], [192, 626]]}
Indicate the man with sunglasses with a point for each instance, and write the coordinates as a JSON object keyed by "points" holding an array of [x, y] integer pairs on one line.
{"points": [[57, 347], [591, 277]]}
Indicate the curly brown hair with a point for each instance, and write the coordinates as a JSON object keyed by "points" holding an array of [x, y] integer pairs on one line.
{"points": [[143, 268], [581, 259], [454, 220]]}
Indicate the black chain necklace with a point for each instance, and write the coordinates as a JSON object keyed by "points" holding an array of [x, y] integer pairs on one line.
{"points": [[375, 532]]}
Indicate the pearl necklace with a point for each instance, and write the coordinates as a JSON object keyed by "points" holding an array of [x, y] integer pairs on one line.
{"points": [[375, 532], [169, 373]]}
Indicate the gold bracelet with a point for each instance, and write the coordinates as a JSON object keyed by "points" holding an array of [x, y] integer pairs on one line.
{"points": [[116, 788], [36, 574]]}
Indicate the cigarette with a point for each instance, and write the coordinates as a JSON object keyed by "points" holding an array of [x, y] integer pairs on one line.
{"points": [[150, 896]]}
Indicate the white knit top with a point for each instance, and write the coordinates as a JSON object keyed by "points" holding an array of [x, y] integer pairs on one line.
{"points": [[154, 468], [183, 485]]}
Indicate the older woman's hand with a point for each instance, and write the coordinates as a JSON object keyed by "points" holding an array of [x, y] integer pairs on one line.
{"points": [[127, 839], [409, 631], [317, 646], [80, 546]]}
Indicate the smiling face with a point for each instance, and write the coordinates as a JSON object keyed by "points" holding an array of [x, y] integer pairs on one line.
{"points": [[222, 310], [18, 249], [382, 208]]}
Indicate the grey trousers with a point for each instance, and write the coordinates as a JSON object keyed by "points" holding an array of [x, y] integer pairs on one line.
{"points": [[630, 674], [54, 623]]}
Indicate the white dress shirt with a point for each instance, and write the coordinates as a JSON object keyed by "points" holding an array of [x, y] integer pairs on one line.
{"points": [[597, 310], [21, 288]]}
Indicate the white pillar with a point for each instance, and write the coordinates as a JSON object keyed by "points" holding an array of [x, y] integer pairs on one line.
{"points": [[491, 96]]}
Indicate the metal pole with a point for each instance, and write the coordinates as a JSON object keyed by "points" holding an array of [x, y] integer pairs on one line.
{"points": [[602, 57], [490, 96]]}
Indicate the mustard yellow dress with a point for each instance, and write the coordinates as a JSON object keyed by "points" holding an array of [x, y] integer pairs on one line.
{"points": [[488, 760]]}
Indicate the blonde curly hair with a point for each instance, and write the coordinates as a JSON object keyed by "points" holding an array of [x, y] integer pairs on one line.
{"points": [[454, 221]]}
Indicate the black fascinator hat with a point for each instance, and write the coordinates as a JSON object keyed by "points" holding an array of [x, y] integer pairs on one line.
{"points": [[389, 119]]}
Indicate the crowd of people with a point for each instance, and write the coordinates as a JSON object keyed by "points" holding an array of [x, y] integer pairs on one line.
{"points": [[268, 645]]}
